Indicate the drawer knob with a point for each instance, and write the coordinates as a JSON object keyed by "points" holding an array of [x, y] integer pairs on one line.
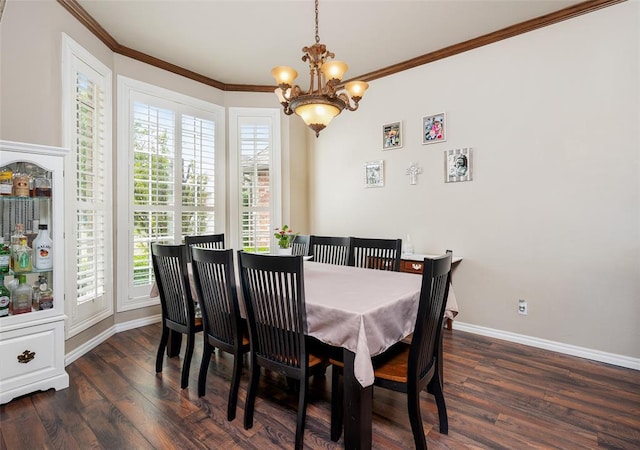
{"points": [[26, 357], [416, 266]]}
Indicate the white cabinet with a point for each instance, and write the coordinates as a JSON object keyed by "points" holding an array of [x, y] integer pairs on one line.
{"points": [[32, 343]]}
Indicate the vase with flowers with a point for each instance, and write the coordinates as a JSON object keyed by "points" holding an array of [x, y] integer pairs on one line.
{"points": [[284, 237]]}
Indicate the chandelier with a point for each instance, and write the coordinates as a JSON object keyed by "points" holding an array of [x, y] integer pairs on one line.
{"points": [[326, 97]]}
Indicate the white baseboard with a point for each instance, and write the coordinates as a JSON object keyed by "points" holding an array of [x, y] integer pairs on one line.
{"points": [[595, 355], [567, 349], [99, 339]]}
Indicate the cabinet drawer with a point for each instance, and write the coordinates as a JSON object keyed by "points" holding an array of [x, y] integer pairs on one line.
{"points": [[31, 354], [411, 266]]}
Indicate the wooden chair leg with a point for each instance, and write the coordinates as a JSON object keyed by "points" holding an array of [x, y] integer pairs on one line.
{"points": [[175, 341], [251, 394], [186, 364], [435, 387], [302, 413], [415, 418], [235, 384], [163, 344], [337, 397], [204, 368]]}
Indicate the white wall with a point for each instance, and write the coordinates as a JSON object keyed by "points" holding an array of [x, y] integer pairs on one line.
{"points": [[30, 73], [553, 212]]}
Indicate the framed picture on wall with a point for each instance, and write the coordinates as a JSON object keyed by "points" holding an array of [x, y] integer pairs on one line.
{"points": [[374, 174], [458, 165], [392, 136], [434, 129]]}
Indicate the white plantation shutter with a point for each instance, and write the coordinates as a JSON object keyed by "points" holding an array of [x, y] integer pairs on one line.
{"points": [[171, 155], [154, 156], [254, 143], [88, 231], [198, 176], [255, 185], [90, 185]]}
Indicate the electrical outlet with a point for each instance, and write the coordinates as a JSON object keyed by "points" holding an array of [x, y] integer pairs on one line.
{"points": [[522, 307]]}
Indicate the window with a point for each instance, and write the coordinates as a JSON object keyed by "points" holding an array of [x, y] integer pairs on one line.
{"points": [[172, 158], [87, 132], [255, 148]]}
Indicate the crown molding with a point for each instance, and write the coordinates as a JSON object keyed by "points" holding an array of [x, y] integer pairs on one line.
{"points": [[514, 30]]}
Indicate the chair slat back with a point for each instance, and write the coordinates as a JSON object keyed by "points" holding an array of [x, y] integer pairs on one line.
{"points": [[215, 282], [381, 254], [205, 241], [273, 291], [170, 269], [436, 278], [300, 245], [330, 250]]}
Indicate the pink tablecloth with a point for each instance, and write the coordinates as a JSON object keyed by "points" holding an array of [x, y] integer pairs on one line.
{"points": [[365, 311]]}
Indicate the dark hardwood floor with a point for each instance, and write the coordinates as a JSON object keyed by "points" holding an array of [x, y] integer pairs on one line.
{"points": [[499, 395]]}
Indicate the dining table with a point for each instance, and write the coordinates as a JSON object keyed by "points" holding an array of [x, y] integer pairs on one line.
{"points": [[364, 312]]}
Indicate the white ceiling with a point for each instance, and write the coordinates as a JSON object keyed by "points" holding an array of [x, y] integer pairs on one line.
{"points": [[240, 41]]}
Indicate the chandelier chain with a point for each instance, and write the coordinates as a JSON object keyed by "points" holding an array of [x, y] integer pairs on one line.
{"points": [[317, 35]]}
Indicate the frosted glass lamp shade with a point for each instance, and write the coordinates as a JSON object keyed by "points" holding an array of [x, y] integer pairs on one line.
{"points": [[356, 89], [284, 75], [317, 113], [334, 70]]}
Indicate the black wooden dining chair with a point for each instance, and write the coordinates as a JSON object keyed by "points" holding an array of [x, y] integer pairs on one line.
{"points": [[409, 367], [330, 250], [178, 311], [273, 292], [300, 245], [215, 282], [205, 241], [381, 254]]}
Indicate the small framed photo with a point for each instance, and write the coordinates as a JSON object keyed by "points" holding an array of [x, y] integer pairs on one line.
{"points": [[392, 136], [374, 174], [434, 129], [458, 165]]}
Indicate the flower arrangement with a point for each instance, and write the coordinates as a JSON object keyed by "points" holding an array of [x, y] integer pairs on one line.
{"points": [[284, 236]]}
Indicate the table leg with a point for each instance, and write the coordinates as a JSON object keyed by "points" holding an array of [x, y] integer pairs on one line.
{"points": [[174, 343], [358, 403]]}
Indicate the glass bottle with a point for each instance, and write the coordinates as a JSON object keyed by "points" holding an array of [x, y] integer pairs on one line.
{"points": [[5, 256], [45, 296], [22, 258], [408, 246], [5, 298], [42, 185], [18, 233], [21, 184], [36, 290], [43, 249], [21, 297], [6, 181]]}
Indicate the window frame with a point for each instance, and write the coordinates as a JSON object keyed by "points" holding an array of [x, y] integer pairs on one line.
{"points": [[276, 172], [81, 316], [129, 90]]}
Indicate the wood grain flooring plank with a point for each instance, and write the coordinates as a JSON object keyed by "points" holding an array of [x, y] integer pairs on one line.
{"points": [[499, 395], [64, 424], [21, 426]]}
